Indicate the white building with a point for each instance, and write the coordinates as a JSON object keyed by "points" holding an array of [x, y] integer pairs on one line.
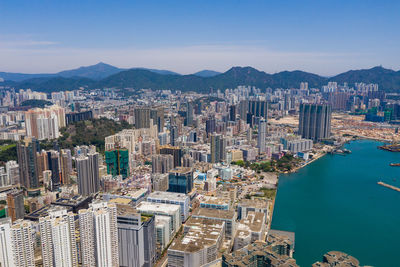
{"points": [[172, 198], [6, 252], [57, 234], [99, 235], [170, 210], [22, 241], [12, 169]]}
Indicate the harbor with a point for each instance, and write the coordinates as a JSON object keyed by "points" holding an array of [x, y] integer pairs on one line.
{"points": [[324, 205]]}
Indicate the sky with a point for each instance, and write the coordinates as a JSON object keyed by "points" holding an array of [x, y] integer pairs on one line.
{"points": [[320, 36]]}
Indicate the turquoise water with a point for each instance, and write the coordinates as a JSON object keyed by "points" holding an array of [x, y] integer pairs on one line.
{"points": [[335, 204]]}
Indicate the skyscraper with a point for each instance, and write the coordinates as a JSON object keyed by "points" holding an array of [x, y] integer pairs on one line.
{"points": [[66, 165], [22, 243], [142, 118], [175, 151], [232, 113], [57, 235], [28, 167], [315, 121], [54, 167], [157, 115], [218, 148], [173, 135], [6, 251], [12, 169], [87, 169], [162, 163], [258, 108], [136, 237], [210, 126], [262, 134], [99, 235], [15, 203], [180, 180], [189, 113]]}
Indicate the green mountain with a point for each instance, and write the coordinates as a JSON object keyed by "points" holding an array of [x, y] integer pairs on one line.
{"points": [[206, 73], [96, 72], [388, 80]]}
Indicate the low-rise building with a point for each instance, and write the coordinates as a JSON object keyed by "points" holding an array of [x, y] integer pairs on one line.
{"points": [[200, 244], [227, 216], [172, 198]]}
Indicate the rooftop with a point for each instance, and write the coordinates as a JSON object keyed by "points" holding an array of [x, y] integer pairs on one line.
{"points": [[200, 233], [157, 207], [168, 195], [214, 213]]}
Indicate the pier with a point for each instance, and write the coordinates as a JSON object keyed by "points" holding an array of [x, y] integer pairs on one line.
{"points": [[389, 186]]}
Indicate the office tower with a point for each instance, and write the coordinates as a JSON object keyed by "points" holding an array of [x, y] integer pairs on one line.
{"points": [[142, 118], [99, 235], [175, 151], [189, 113], [58, 241], [136, 237], [174, 134], [15, 203], [243, 109], [66, 166], [210, 126], [28, 168], [12, 169], [315, 121], [6, 251], [232, 113], [87, 169], [262, 134], [157, 115], [180, 180], [117, 161], [22, 243], [218, 148], [53, 160], [162, 163], [258, 108]]}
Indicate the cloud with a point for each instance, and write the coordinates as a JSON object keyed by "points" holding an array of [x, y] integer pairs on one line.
{"points": [[42, 56], [22, 41]]}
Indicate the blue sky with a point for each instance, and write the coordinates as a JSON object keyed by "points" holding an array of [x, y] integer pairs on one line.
{"points": [[324, 37]]}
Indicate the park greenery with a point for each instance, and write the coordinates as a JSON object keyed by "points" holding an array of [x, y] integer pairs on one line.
{"points": [[284, 164], [90, 132], [8, 150]]}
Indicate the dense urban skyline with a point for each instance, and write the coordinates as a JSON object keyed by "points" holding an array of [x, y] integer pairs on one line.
{"points": [[321, 37]]}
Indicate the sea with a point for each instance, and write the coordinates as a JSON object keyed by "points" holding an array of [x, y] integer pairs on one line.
{"points": [[335, 204]]}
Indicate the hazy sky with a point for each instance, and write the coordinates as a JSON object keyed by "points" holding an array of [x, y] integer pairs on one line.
{"points": [[320, 36]]}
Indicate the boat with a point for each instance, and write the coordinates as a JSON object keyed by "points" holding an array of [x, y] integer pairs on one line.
{"points": [[395, 164]]}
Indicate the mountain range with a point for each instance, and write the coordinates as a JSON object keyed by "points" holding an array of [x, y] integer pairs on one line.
{"points": [[103, 75]]}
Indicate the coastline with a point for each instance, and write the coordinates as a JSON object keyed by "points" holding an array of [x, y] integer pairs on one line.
{"points": [[293, 187]]}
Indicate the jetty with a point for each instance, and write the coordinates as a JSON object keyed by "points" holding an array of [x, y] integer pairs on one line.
{"points": [[391, 148], [389, 186]]}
